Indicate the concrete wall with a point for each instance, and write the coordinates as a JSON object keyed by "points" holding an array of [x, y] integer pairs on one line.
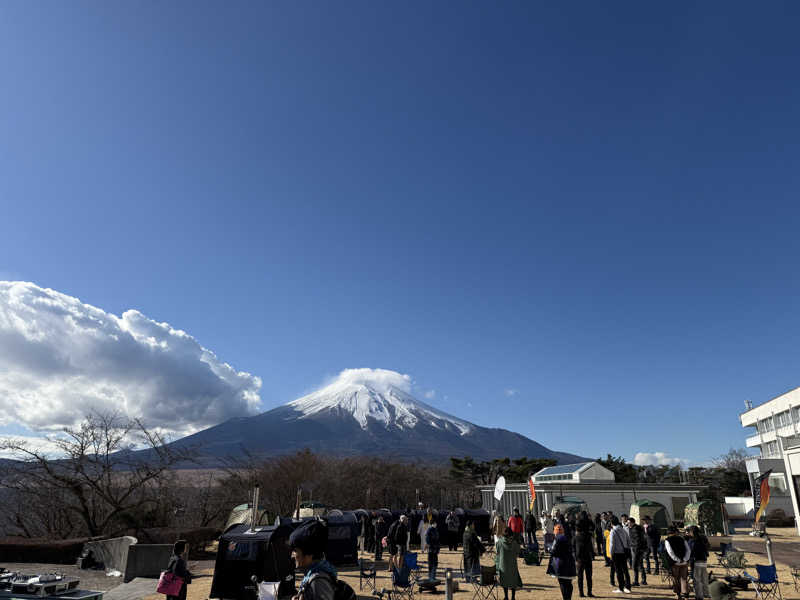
{"points": [[147, 560], [113, 553]]}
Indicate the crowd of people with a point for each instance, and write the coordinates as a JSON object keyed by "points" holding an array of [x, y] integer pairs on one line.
{"points": [[631, 551]]}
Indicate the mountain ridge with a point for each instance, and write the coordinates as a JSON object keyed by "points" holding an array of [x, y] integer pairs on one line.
{"points": [[365, 412]]}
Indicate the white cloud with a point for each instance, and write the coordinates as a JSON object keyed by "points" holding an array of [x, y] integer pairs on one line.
{"points": [[430, 394], [36, 444], [511, 392], [657, 459], [61, 358]]}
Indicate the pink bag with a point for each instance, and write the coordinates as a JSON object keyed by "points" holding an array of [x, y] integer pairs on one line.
{"points": [[169, 584]]}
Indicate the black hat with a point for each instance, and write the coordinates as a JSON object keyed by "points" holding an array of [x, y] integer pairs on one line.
{"points": [[310, 538]]}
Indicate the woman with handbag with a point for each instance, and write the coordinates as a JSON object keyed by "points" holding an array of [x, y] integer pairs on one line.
{"points": [[177, 567]]}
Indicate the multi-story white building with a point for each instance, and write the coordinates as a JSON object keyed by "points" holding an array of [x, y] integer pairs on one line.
{"points": [[776, 434]]}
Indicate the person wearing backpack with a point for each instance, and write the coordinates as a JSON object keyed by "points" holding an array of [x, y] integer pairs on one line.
{"points": [[177, 566], [530, 529], [320, 581]]}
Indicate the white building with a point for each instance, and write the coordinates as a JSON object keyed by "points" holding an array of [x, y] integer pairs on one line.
{"points": [[593, 484], [776, 435]]}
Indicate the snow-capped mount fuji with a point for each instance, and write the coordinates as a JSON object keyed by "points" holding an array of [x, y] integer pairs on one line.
{"points": [[376, 401], [365, 412]]}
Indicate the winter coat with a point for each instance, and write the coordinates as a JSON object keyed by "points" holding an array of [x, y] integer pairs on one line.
{"points": [[677, 549], [432, 540], [653, 535], [530, 523], [381, 529], [562, 563], [498, 526], [700, 549], [515, 523], [506, 562], [453, 522], [618, 540], [473, 548], [584, 545], [178, 566], [318, 582], [638, 538]]}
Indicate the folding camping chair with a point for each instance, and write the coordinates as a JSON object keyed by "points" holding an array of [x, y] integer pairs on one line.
{"points": [[733, 562], [410, 559], [723, 551], [403, 582], [767, 585], [796, 577], [485, 586], [366, 574]]}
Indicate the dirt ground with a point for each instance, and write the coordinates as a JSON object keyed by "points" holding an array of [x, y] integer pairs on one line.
{"points": [[542, 587]]}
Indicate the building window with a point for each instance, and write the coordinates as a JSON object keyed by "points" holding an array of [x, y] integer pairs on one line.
{"points": [[770, 449], [765, 425], [796, 413], [783, 419]]}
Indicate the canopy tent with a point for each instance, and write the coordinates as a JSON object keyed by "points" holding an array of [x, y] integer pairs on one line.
{"points": [[244, 553], [242, 514], [649, 508]]}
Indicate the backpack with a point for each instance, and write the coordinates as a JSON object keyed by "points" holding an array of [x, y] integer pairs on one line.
{"points": [[341, 589]]}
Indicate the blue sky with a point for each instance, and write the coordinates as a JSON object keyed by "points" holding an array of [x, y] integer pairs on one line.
{"points": [[593, 205]]}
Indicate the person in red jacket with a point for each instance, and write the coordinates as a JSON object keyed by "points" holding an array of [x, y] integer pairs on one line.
{"points": [[516, 525]]}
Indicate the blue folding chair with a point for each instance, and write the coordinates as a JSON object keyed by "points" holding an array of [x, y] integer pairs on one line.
{"points": [[403, 581], [410, 560], [766, 585]]}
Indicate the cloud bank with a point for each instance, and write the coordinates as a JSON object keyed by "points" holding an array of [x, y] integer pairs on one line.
{"points": [[61, 358], [657, 459]]}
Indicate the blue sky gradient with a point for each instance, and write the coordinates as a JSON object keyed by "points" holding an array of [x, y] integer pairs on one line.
{"points": [[593, 205]]}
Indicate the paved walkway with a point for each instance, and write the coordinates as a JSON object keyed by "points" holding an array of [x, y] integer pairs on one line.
{"points": [[133, 590]]}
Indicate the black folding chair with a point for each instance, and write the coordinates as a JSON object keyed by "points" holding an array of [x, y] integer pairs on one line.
{"points": [[366, 574], [485, 586]]}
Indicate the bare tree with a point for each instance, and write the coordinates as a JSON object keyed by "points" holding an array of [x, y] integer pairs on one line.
{"points": [[734, 459], [105, 474]]}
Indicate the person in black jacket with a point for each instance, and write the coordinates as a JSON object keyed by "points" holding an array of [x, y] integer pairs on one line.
{"points": [[398, 541], [699, 561], [530, 529], [584, 552], [381, 529], [679, 554], [653, 535], [638, 548], [473, 548], [177, 565]]}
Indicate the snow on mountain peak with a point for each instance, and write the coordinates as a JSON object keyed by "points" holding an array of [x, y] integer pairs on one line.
{"points": [[378, 394]]}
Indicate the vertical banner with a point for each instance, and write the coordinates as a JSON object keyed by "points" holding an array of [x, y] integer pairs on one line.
{"points": [[761, 499], [531, 492]]}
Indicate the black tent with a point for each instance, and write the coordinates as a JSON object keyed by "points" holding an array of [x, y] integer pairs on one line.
{"points": [[480, 517], [243, 553], [343, 532]]}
